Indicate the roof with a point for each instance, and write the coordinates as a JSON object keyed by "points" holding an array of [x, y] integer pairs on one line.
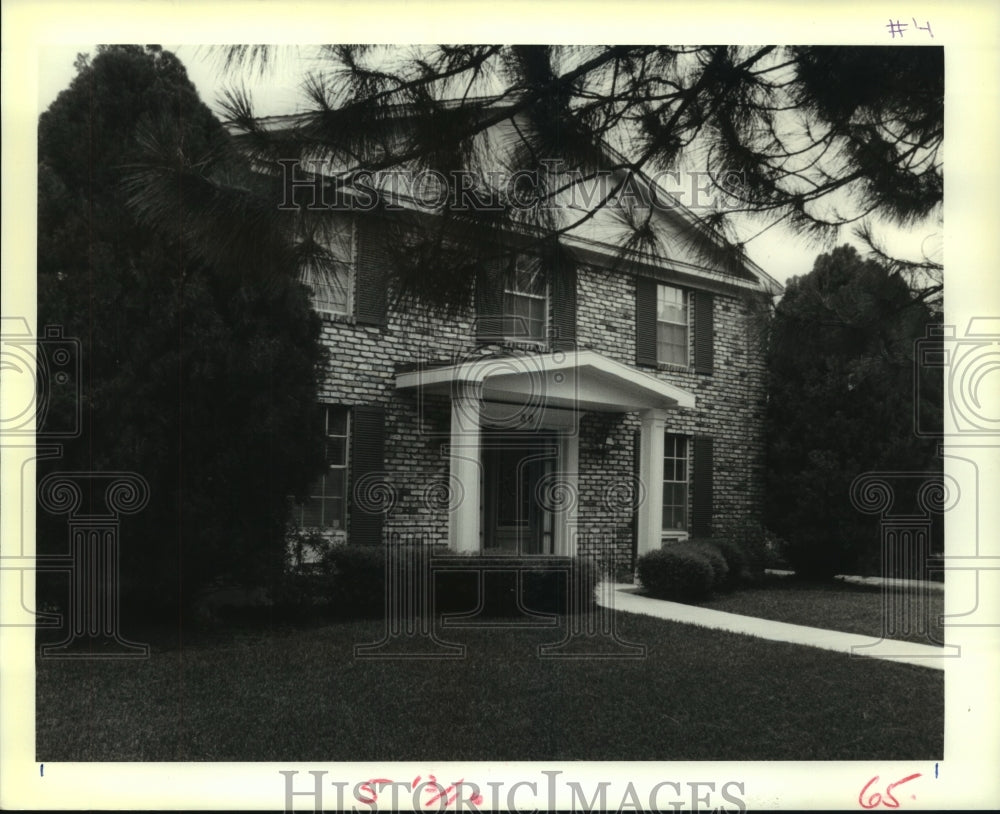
{"points": [[580, 380], [691, 250]]}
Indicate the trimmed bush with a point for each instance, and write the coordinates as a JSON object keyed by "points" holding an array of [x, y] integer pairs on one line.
{"points": [[676, 572], [710, 551], [736, 562]]}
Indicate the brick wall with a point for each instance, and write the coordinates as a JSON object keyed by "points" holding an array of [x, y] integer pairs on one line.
{"points": [[730, 403]]}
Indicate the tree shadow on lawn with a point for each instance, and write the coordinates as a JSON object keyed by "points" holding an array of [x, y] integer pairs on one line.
{"points": [[298, 694]]}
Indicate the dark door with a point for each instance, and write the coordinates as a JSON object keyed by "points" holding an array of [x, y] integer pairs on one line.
{"points": [[515, 519]]}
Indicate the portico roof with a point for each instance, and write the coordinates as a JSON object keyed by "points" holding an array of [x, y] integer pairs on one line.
{"points": [[582, 380]]}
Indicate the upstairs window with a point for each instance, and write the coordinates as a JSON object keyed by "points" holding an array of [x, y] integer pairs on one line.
{"points": [[672, 325], [330, 274], [525, 302]]}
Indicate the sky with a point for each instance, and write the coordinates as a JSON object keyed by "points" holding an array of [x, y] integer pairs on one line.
{"points": [[781, 252]]}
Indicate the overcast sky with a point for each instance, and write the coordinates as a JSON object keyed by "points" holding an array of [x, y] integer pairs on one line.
{"points": [[779, 251]]}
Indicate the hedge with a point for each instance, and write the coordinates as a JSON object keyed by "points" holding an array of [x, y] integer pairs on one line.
{"points": [[350, 581]]}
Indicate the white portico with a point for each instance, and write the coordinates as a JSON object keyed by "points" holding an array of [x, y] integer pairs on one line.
{"points": [[514, 401]]}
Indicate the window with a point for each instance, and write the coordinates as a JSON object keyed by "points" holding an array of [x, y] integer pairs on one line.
{"points": [[675, 482], [525, 302], [671, 325], [324, 507], [331, 275]]}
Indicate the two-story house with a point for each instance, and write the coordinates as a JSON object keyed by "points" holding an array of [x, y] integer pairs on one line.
{"points": [[600, 397]]}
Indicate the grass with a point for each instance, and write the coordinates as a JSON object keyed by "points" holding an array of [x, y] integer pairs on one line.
{"points": [[836, 606], [297, 694]]}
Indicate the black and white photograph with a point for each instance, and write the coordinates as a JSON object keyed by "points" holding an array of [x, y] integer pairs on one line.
{"points": [[528, 426]]}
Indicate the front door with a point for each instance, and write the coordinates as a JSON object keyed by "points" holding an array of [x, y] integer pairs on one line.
{"points": [[515, 518]]}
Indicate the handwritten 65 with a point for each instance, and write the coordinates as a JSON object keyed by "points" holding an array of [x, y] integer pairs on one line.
{"points": [[875, 798]]}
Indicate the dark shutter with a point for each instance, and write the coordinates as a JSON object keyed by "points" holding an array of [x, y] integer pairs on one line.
{"points": [[489, 302], [701, 483], [645, 321], [372, 272], [703, 328], [563, 307], [367, 444]]}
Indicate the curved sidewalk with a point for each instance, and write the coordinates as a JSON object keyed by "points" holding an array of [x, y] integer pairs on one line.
{"points": [[625, 597]]}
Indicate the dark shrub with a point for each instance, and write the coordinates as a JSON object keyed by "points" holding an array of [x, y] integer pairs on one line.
{"points": [[356, 580], [709, 551], [544, 590], [350, 581], [677, 573], [760, 548], [556, 591], [736, 561]]}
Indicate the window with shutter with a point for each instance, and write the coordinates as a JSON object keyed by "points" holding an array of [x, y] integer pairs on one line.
{"points": [[675, 482], [324, 508], [329, 273], [525, 302], [672, 325], [687, 473]]}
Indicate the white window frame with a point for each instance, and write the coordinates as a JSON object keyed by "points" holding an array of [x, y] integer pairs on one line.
{"points": [[351, 266], [509, 290], [317, 490], [670, 456], [686, 305]]}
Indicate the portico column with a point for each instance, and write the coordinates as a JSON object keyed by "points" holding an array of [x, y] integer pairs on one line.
{"points": [[650, 520], [565, 527], [465, 467]]}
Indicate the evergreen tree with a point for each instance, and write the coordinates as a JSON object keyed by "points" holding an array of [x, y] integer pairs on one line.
{"points": [[841, 403], [199, 371], [820, 138]]}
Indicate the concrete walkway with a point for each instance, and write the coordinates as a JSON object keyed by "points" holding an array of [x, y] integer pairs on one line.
{"points": [[625, 597]]}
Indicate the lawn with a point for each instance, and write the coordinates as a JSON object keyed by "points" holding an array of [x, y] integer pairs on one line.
{"points": [[837, 606], [297, 694]]}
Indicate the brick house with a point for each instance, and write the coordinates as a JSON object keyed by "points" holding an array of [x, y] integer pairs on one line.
{"points": [[560, 408]]}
